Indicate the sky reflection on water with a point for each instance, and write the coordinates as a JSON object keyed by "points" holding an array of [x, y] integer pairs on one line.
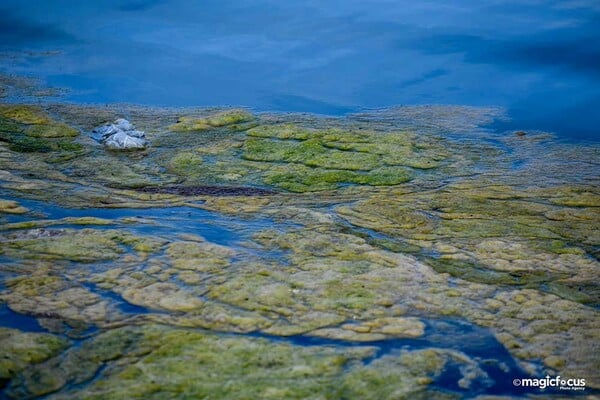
{"points": [[539, 59]]}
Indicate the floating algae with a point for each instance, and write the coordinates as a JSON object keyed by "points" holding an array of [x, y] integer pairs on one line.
{"points": [[286, 256]]}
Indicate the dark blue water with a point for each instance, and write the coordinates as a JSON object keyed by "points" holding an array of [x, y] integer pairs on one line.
{"points": [[11, 319], [538, 59], [164, 222]]}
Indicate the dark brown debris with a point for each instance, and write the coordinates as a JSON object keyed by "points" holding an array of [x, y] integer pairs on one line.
{"points": [[209, 190]]}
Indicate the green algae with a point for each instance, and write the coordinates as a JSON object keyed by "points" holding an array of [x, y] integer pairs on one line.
{"points": [[186, 164], [160, 362], [11, 207], [290, 157], [26, 144], [8, 125], [382, 224], [24, 114], [255, 292], [62, 221], [475, 273], [55, 130], [282, 131], [373, 330], [297, 178], [162, 296], [76, 365], [30, 129], [199, 256], [335, 157], [84, 245], [411, 372], [44, 294], [232, 118], [19, 350], [586, 292]]}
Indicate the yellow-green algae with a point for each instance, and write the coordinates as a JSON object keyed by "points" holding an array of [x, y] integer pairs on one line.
{"points": [[11, 207], [385, 226], [85, 245], [160, 362], [230, 118], [30, 129], [289, 157], [20, 350]]}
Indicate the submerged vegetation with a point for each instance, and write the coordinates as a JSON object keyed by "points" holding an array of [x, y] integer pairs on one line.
{"points": [[373, 230]]}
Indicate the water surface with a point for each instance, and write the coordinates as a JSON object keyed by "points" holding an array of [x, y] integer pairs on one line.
{"points": [[538, 59]]}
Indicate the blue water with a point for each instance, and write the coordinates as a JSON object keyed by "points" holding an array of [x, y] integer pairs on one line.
{"points": [[538, 59], [164, 222], [11, 319], [476, 342]]}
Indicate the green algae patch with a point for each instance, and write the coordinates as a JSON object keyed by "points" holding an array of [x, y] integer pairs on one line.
{"points": [[307, 160], [283, 131], [163, 296], [186, 164], [161, 362], [24, 114], [586, 292], [411, 372], [342, 160], [116, 171], [46, 295], [394, 326], [199, 256], [29, 129], [373, 330], [230, 118], [298, 178], [54, 130], [476, 273], [255, 292], [21, 350], [25, 144], [84, 245], [63, 221], [77, 365], [11, 207]]}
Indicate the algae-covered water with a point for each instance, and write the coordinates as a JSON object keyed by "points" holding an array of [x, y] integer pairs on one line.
{"points": [[317, 241], [404, 253]]}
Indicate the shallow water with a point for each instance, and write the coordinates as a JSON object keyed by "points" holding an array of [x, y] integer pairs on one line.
{"points": [[165, 222], [536, 59], [498, 365]]}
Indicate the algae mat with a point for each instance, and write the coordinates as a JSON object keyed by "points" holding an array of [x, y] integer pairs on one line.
{"points": [[405, 253]]}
